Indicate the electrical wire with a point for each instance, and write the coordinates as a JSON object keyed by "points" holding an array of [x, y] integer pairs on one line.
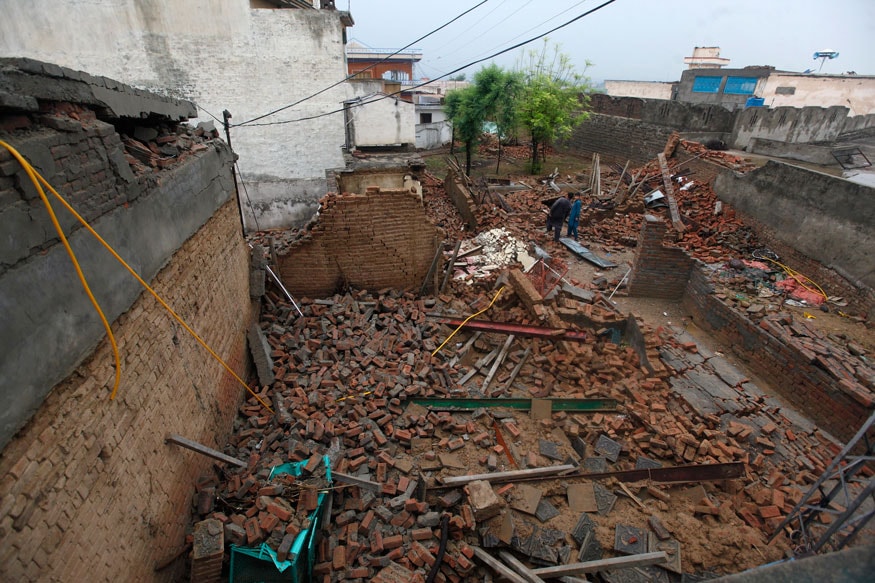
{"points": [[481, 33], [474, 315], [397, 93], [348, 77], [37, 178]]}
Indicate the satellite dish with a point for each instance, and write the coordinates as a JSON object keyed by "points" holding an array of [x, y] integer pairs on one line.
{"points": [[824, 55]]}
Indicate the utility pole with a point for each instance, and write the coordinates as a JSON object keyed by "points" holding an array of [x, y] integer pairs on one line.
{"points": [[226, 115]]}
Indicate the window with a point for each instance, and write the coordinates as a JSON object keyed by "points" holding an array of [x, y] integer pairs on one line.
{"points": [[706, 84], [424, 118], [785, 91], [740, 85], [364, 75]]}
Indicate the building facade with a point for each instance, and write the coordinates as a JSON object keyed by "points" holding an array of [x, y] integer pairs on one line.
{"points": [[248, 57]]}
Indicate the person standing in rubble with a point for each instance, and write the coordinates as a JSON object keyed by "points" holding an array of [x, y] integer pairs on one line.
{"points": [[574, 218], [558, 212]]}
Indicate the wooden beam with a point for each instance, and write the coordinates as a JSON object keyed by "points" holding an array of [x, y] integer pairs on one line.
{"points": [[519, 567], [497, 363], [203, 450], [641, 560], [360, 482], [451, 267], [498, 566], [507, 476], [517, 368]]}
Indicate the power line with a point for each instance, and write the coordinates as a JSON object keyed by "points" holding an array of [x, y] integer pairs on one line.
{"points": [[481, 33], [348, 77], [396, 93]]}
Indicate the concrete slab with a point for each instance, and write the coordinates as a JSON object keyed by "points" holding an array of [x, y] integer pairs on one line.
{"points": [[726, 371]]}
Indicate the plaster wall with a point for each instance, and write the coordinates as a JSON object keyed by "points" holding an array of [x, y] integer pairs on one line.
{"points": [[385, 122], [645, 89], [855, 93], [223, 55]]}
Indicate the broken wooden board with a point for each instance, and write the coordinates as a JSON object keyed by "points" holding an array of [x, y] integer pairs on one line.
{"points": [[497, 477], [602, 565], [203, 450], [669, 194], [585, 253]]}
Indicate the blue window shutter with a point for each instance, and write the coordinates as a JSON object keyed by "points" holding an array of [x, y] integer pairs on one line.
{"points": [[706, 84], [740, 85]]}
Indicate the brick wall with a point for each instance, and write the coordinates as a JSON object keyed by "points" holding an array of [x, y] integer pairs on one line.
{"points": [[659, 271], [768, 352], [461, 198], [618, 139], [375, 240], [89, 491]]}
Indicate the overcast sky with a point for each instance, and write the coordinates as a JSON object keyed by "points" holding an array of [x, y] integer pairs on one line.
{"points": [[629, 39]]}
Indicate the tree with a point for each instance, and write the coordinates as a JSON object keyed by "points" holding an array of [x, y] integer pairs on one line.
{"points": [[489, 98], [554, 100]]}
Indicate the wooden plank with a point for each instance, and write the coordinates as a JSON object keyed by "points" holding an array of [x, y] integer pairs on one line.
{"points": [[497, 363], [497, 477], [360, 482], [467, 346], [450, 267], [498, 566], [203, 450], [669, 194], [517, 368], [619, 180], [641, 560], [434, 263], [519, 567]]}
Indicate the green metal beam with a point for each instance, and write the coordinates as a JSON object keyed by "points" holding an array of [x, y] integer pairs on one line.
{"points": [[581, 405]]}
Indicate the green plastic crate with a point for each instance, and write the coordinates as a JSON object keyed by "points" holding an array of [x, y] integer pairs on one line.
{"points": [[260, 564]]}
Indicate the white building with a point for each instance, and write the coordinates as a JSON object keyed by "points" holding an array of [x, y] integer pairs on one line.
{"points": [[249, 57]]}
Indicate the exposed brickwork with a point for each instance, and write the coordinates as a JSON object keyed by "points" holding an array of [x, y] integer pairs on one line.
{"points": [[768, 352], [659, 271], [703, 170], [618, 139], [462, 198], [89, 490], [376, 240]]}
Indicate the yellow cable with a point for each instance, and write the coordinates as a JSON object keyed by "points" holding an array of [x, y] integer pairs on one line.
{"points": [[133, 273], [796, 275], [32, 174], [438, 349]]}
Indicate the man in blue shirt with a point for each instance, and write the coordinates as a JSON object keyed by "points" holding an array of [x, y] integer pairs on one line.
{"points": [[574, 218], [558, 211]]}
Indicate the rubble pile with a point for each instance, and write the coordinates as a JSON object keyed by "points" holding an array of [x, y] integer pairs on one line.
{"points": [[722, 158], [165, 146]]}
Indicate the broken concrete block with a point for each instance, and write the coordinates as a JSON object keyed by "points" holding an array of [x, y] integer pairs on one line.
{"points": [[581, 497], [483, 500]]}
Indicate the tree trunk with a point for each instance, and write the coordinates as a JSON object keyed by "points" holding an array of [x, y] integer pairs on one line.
{"points": [[498, 162], [453, 141], [468, 149], [536, 164]]}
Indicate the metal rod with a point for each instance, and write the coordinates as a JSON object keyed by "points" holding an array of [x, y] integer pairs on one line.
{"points": [[282, 287]]}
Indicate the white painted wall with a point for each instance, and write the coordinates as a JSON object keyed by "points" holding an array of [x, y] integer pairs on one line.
{"points": [[643, 89], [433, 135], [855, 93], [222, 55], [383, 122]]}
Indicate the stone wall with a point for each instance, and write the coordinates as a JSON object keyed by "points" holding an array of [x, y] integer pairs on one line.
{"points": [[376, 240], [659, 271]]}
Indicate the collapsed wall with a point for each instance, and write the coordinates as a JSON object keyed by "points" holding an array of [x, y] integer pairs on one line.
{"points": [[379, 239], [819, 380], [89, 490]]}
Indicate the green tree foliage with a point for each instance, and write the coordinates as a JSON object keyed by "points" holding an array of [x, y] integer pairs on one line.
{"points": [[490, 98], [554, 98]]}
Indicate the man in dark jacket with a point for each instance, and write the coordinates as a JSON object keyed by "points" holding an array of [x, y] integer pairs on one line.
{"points": [[558, 211]]}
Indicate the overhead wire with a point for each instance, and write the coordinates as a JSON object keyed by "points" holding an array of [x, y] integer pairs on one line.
{"points": [[456, 70], [38, 180], [348, 77], [481, 33]]}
